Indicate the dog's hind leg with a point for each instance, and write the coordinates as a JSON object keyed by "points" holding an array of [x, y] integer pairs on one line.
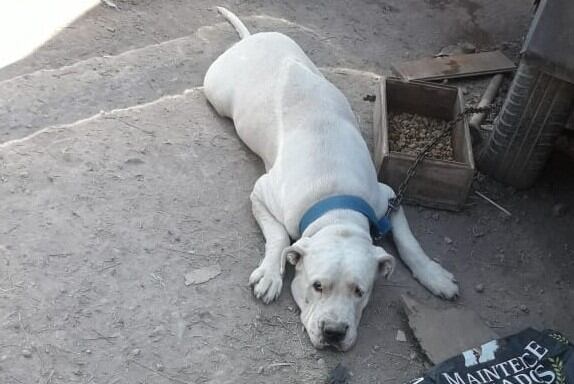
{"points": [[267, 278], [428, 272]]}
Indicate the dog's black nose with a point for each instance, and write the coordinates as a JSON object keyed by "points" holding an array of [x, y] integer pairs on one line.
{"points": [[334, 332]]}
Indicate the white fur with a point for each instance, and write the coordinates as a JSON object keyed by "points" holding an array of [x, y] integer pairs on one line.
{"points": [[303, 128]]}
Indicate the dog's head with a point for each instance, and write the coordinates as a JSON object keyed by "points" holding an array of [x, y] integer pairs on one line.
{"points": [[335, 270]]}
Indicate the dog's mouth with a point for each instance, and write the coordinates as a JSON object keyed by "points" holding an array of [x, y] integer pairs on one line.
{"points": [[338, 347], [321, 343]]}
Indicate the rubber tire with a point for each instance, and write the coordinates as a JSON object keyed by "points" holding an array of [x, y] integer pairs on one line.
{"points": [[534, 113]]}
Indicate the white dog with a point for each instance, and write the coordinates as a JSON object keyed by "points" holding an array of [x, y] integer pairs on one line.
{"points": [[319, 188]]}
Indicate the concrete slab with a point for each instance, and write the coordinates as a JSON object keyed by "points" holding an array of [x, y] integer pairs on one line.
{"points": [[64, 95], [443, 334]]}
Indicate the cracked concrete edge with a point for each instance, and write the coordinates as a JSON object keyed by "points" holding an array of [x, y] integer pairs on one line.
{"points": [[327, 71], [353, 83], [58, 96], [56, 127], [175, 41]]}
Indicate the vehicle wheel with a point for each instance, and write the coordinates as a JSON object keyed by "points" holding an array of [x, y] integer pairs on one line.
{"points": [[534, 113]]}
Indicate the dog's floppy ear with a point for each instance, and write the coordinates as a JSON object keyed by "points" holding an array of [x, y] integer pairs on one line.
{"points": [[386, 262], [294, 253]]}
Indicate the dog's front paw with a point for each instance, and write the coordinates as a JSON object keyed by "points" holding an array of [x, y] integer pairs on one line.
{"points": [[437, 280], [266, 282]]}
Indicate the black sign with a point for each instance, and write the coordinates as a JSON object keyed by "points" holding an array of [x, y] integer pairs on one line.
{"points": [[529, 357]]}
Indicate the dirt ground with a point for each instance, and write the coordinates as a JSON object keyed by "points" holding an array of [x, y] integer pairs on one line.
{"points": [[102, 219]]}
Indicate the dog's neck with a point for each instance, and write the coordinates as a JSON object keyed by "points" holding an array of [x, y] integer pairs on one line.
{"points": [[338, 217]]}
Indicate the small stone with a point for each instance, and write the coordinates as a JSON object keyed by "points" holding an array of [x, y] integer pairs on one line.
{"points": [[450, 50], [559, 210], [524, 308], [447, 240], [134, 160], [477, 233], [467, 47], [159, 367], [157, 331], [401, 336], [26, 353], [202, 275], [413, 355], [321, 363], [135, 352], [88, 351], [370, 98], [260, 370], [479, 288], [376, 347]]}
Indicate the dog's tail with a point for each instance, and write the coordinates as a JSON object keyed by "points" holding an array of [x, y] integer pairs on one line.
{"points": [[234, 20]]}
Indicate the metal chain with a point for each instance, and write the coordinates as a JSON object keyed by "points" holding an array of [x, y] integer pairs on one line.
{"points": [[395, 202]]}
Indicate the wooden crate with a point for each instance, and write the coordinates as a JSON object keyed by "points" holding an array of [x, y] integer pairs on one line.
{"points": [[437, 183]]}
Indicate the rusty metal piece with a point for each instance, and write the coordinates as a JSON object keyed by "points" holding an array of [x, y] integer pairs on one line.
{"points": [[486, 99]]}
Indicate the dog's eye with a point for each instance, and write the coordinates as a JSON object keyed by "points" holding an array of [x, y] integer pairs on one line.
{"points": [[317, 286], [359, 292]]}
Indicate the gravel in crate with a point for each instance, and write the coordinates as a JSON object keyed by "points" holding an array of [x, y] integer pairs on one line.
{"points": [[410, 133]]}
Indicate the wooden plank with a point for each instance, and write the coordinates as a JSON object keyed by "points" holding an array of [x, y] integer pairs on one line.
{"points": [[443, 334], [380, 110], [437, 184], [455, 66]]}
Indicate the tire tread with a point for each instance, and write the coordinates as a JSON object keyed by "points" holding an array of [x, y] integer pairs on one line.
{"points": [[534, 113]]}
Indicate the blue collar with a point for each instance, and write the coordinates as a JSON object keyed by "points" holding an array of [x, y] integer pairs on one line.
{"points": [[379, 227]]}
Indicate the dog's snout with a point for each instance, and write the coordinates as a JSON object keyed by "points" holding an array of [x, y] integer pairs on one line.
{"points": [[334, 332]]}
